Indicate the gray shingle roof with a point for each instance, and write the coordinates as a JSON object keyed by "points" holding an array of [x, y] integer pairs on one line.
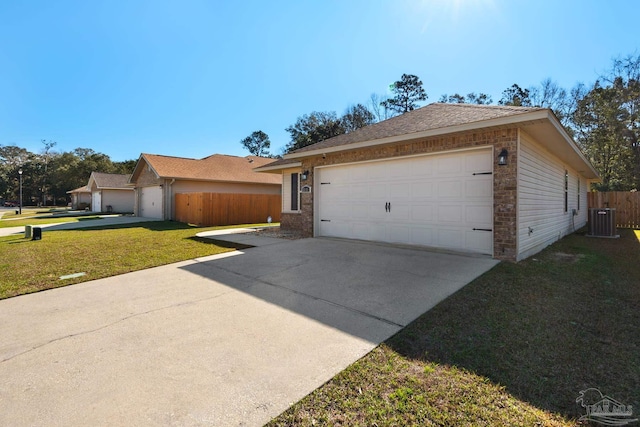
{"points": [[430, 117], [111, 180]]}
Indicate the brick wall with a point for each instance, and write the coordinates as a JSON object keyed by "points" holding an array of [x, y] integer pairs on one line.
{"points": [[291, 221], [504, 184], [146, 178]]}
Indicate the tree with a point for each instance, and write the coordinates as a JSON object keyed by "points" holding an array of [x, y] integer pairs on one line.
{"points": [[470, 98], [12, 158], [515, 96], [356, 117], [550, 95], [312, 128], [607, 123], [407, 92], [44, 158], [376, 107], [124, 167], [257, 143]]}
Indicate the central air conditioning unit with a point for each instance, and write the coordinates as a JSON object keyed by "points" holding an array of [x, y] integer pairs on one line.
{"points": [[602, 223]]}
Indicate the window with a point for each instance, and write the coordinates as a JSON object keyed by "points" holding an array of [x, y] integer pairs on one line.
{"points": [[578, 192], [294, 192], [566, 191]]}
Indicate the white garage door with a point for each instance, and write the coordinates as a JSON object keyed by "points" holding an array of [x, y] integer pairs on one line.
{"points": [[151, 202], [96, 201], [443, 201]]}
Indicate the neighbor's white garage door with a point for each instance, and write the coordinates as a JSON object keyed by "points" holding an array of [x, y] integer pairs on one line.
{"points": [[441, 201], [151, 202], [96, 201]]}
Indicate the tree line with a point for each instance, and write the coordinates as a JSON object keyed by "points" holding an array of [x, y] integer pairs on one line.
{"points": [[48, 175], [603, 118]]}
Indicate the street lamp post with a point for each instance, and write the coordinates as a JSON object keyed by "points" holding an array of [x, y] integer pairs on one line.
{"points": [[20, 203]]}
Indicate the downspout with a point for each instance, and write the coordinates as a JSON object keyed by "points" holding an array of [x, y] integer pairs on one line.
{"points": [[170, 189]]}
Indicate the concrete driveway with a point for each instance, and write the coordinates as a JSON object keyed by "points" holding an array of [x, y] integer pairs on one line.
{"points": [[229, 340]]}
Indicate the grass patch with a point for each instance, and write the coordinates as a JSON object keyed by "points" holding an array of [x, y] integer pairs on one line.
{"points": [[29, 266], [514, 347]]}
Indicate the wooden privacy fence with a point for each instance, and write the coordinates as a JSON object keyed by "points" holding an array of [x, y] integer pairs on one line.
{"points": [[207, 209], [626, 204]]}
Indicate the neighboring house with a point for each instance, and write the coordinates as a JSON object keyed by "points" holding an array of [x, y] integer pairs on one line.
{"points": [[111, 193], [157, 179], [497, 180], [80, 197]]}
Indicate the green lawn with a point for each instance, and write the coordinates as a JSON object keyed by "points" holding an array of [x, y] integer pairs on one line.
{"points": [[514, 347], [29, 266]]}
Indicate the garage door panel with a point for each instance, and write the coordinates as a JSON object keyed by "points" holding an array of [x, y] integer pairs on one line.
{"points": [[478, 240], [360, 210], [400, 211], [399, 191], [449, 165], [422, 236], [422, 190], [436, 200], [359, 191], [482, 188], [379, 192], [450, 190], [422, 213], [422, 167], [479, 162], [480, 216], [399, 234], [450, 238], [359, 175], [450, 214], [361, 230]]}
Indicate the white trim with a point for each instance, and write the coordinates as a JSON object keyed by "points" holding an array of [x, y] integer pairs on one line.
{"points": [[384, 159]]}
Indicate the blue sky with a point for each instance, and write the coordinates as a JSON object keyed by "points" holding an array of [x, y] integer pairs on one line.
{"points": [[191, 78]]}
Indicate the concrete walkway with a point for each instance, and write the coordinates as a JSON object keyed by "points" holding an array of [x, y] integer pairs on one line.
{"points": [[228, 340]]}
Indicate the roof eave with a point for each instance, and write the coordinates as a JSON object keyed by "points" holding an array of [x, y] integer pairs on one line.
{"points": [[278, 168]]}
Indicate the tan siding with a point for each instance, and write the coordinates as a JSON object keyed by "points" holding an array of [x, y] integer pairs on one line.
{"points": [[541, 216], [120, 200], [182, 186]]}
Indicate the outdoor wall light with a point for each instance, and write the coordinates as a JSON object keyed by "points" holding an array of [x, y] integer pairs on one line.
{"points": [[502, 157], [304, 175]]}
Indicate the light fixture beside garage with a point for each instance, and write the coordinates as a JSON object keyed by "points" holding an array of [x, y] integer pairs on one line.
{"points": [[304, 175], [502, 157]]}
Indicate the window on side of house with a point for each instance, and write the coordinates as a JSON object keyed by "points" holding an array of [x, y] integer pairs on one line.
{"points": [[295, 194], [566, 191], [578, 192]]}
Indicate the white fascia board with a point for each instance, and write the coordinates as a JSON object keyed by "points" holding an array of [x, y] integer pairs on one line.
{"points": [[500, 121]]}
